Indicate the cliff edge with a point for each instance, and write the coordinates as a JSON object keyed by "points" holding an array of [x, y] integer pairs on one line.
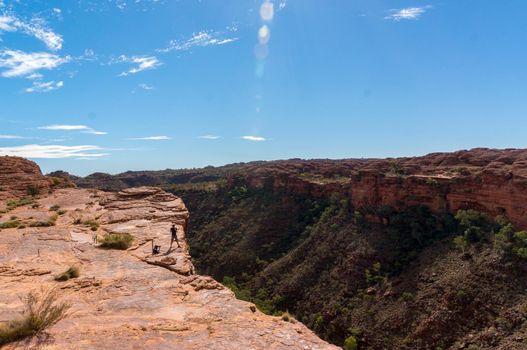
{"points": [[126, 299]]}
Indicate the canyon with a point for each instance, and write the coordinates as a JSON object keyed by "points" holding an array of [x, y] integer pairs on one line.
{"points": [[122, 299], [407, 253], [374, 250]]}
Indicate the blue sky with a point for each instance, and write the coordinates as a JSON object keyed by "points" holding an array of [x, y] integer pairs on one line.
{"points": [[116, 85]]}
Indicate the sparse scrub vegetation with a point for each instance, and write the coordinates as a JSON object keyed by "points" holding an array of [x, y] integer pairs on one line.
{"points": [[119, 241], [395, 168], [430, 181], [50, 222], [287, 317], [94, 225], [54, 207], [32, 191], [15, 203], [350, 343], [41, 312], [10, 224], [72, 272]]}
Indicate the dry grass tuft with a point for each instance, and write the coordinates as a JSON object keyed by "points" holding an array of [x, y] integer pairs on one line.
{"points": [[42, 311]]}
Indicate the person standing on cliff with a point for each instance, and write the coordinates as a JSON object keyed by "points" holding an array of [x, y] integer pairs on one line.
{"points": [[173, 231]]}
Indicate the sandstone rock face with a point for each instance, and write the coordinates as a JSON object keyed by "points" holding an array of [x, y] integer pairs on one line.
{"points": [[17, 175], [492, 181], [128, 299]]}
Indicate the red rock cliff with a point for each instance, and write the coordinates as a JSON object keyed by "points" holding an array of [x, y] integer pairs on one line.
{"points": [[17, 175], [492, 181]]}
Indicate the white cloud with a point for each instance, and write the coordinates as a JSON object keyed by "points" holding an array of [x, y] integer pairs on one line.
{"points": [[151, 138], [36, 28], [409, 13], [209, 137], [45, 87], [201, 39], [66, 127], [18, 63], [254, 138], [142, 63], [53, 151], [10, 137]]}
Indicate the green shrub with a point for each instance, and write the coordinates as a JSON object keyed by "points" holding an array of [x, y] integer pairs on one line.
{"points": [[42, 311], [72, 272], [395, 168], [350, 343], [32, 191], [430, 181], [407, 296], [287, 317], [121, 241], [15, 203], [474, 225], [10, 224], [94, 225], [54, 207], [460, 243], [57, 181]]}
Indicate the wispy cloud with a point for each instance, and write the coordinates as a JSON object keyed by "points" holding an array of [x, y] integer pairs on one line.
{"points": [[45, 86], [95, 132], [146, 87], [209, 137], [34, 76], [53, 151], [409, 13], [37, 28], [10, 137], [18, 63], [254, 138], [141, 63], [200, 39], [64, 127], [151, 138], [67, 127]]}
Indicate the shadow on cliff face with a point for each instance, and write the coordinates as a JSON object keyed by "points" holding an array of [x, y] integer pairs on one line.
{"points": [[391, 279]]}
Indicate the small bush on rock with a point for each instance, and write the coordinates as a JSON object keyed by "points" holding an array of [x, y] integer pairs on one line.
{"points": [[72, 272], [121, 241], [9, 224], [287, 317]]}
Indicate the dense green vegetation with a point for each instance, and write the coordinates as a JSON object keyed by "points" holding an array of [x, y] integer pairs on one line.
{"points": [[318, 258]]}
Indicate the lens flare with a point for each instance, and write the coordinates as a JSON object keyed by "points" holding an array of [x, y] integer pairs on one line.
{"points": [[264, 34], [267, 11]]}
